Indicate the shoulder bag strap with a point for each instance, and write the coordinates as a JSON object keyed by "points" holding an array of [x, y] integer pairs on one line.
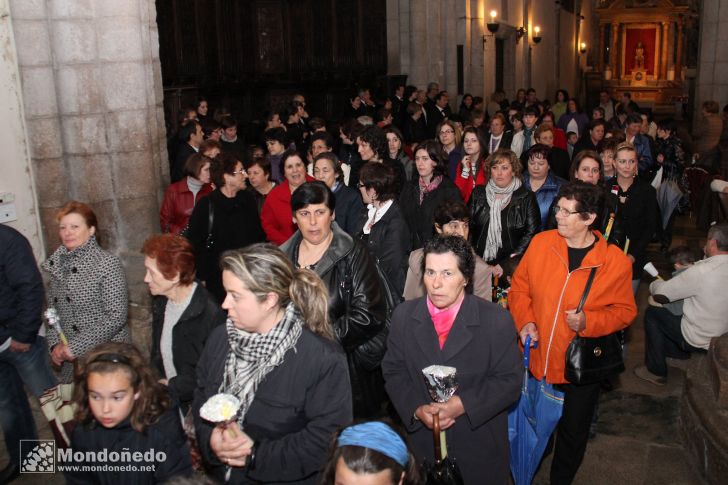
{"points": [[586, 289]]}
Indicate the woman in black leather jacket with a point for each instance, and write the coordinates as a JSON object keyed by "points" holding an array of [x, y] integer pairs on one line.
{"points": [[519, 216], [357, 308]]}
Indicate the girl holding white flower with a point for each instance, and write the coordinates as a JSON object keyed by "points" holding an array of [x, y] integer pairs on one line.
{"points": [[277, 356]]}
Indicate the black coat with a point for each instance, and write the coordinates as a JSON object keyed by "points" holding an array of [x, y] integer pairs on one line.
{"points": [[390, 243], [415, 131], [638, 219], [296, 410], [164, 436], [188, 340], [184, 151], [421, 218], [520, 220], [349, 207], [21, 288], [435, 117], [559, 162], [356, 311], [235, 225], [482, 347]]}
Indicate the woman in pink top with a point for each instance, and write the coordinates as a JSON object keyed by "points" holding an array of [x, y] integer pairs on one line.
{"points": [[451, 327]]}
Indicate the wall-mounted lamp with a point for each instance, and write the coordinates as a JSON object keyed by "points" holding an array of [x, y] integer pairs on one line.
{"points": [[582, 47], [536, 34], [520, 32], [492, 26]]}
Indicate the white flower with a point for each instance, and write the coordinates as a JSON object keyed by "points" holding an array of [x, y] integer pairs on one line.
{"points": [[220, 408]]}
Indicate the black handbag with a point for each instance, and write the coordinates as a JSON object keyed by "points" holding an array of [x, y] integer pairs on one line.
{"points": [[590, 360]]}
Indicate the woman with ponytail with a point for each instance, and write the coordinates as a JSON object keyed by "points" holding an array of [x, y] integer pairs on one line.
{"points": [[277, 355]]}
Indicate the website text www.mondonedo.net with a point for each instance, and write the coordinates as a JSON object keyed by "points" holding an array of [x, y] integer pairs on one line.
{"points": [[105, 468]]}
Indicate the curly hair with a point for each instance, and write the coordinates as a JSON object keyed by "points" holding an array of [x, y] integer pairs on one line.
{"points": [[463, 251], [111, 357], [505, 155], [589, 200], [377, 140]]}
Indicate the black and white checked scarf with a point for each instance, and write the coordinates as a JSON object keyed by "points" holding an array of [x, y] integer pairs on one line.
{"points": [[252, 356]]}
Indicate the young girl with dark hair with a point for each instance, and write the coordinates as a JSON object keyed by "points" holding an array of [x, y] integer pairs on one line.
{"points": [[370, 452], [127, 431]]}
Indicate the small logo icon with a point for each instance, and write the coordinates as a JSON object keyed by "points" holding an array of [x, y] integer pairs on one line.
{"points": [[38, 456]]}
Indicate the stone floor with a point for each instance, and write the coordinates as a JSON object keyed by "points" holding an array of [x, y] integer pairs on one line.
{"points": [[638, 440]]}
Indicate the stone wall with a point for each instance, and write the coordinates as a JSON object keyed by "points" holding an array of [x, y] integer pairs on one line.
{"points": [[704, 412], [92, 92], [712, 80], [423, 35]]}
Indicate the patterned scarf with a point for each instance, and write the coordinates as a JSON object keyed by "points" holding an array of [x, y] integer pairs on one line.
{"points": [[493, 243], [426, 188], [252, 356]]}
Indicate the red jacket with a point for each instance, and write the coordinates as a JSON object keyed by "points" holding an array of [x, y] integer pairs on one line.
{"points": [[276, 216], [543, 289], [178, 204], [467, 184]]}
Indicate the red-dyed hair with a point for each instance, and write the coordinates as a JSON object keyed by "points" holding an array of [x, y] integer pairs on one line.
{"points": [[75, 207], [173, 255], [83, 210]]}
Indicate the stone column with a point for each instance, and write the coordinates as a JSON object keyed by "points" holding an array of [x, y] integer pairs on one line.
{"points": [[712, 80], [92, 92], [616, 74], [665, 32], [418, 45], [680, 42], [602, 36]]}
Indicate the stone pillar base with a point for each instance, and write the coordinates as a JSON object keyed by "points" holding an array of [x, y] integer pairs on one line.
{"points": [[704, 412]]}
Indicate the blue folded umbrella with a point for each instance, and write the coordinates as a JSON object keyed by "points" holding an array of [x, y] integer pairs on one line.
{"points": [[531, 422]]}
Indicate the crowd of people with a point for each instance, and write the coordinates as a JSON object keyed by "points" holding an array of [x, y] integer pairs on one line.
{"points": [[312, 278]]}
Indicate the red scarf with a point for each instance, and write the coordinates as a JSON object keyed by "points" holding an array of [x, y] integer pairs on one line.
{"points": [[444, 318]]}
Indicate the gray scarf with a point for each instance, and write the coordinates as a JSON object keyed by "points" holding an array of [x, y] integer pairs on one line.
{"points": [[252, 356], [493, 243]]}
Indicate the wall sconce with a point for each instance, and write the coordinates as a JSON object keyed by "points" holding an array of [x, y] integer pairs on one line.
{"points": [[582, 47], [520, 32], [492, 26], [536, 34]]}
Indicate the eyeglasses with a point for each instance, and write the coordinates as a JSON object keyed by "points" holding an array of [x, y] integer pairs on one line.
{"points": [[564, 212], [446, 132], [242, 172]]}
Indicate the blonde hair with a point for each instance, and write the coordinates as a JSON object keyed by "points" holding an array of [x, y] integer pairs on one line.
{"points": [[625, 146], [263, 268]]}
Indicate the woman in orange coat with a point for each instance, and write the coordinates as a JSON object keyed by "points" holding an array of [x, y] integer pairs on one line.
{"points": [[545, 291]]}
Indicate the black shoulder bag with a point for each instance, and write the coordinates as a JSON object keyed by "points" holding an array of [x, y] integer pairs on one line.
{"points": [[590, 360]]}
